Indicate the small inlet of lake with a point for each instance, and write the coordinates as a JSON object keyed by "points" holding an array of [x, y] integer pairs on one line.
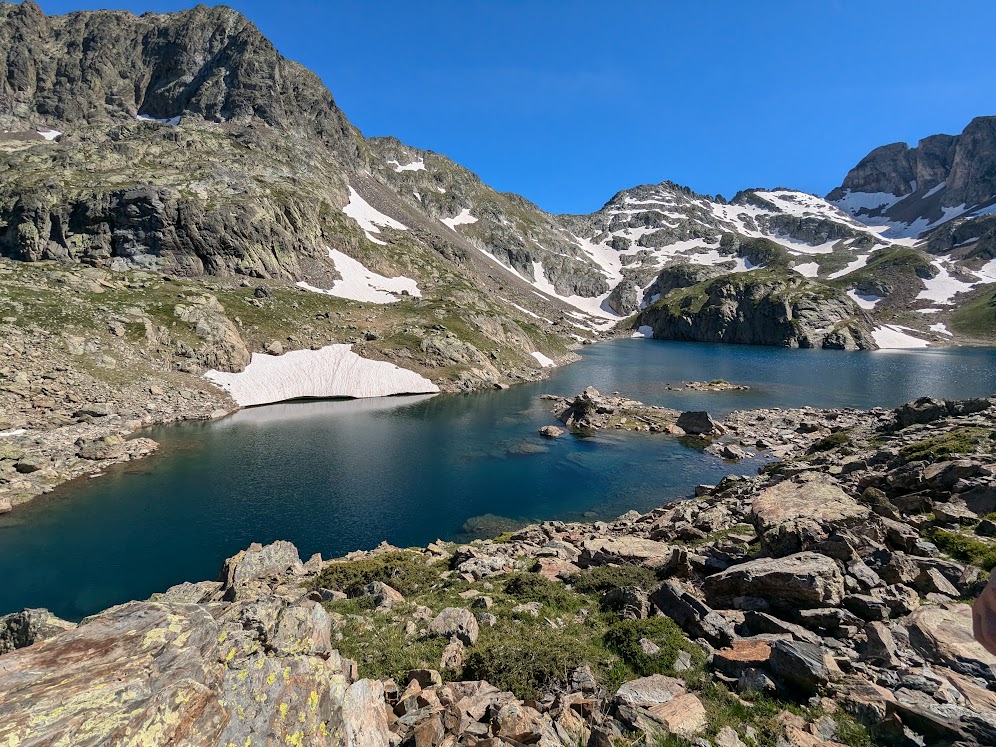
{"points": [[336, 476]]}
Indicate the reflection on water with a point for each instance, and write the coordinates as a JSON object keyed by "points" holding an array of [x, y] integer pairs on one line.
{"points": [[334, 476]]}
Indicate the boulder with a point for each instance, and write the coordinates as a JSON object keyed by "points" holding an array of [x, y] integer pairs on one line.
{"points": [[794, 516], [802, 580], [698, 422], [384, 596], [692, 614], [21, 629], [625, 549], [456, 622], [646, 692], [800, 666], [943, 635], [104, 447], [923, 410], [684, 715], [258, 561], [137, 669], [551, 431], [364, 715], [745, 653], [629, 601]]}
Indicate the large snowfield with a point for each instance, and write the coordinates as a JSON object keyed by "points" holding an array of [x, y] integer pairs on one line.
{"points": [[332, 371]]}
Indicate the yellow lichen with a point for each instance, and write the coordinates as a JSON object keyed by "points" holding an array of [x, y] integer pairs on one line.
{"points": [[313, 700], [283, 711]]}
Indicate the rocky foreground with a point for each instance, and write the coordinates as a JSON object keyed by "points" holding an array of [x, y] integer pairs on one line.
{"points": [[821, 602]]}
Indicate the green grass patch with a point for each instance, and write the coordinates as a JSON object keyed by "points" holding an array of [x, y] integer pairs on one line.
{"points": [[964, 547], [977, 317], [531, 587], [958, 441], [381, 649], [833, 441]]}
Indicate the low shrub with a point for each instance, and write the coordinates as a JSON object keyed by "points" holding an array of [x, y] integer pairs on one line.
{"points": [[833, 441], [604, 577], [405, 571], [528, 661], [624, 637]]}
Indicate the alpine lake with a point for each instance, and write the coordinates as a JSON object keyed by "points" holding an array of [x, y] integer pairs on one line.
{"points": [[336, 476]]}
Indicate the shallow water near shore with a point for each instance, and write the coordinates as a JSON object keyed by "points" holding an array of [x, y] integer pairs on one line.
{"points": [[336, 476]]}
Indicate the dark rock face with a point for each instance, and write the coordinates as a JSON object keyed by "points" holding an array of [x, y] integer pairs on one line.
{"points": [[762, 310], [625, 298], [187, 199], [208, 62], [964, 164]]}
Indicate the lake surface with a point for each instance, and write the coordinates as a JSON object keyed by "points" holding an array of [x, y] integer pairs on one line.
{"points": [[339, 476]]}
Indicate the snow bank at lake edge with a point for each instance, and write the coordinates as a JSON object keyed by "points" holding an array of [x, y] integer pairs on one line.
{"points": [[332, 371]]}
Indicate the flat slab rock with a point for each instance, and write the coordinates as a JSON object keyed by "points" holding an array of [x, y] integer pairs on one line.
{"points": [[802, 580], [943, 633], [792, 516], [627, 548]]}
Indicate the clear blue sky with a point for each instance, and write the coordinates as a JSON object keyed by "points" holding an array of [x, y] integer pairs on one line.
{"points": [[567, 102]]}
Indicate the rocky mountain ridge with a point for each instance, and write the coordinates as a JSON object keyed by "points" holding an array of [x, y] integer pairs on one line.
{"points": [[222, 157]]}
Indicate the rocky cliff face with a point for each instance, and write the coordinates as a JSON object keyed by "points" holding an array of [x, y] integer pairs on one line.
{"points": [[942, 177], [761, 309]]}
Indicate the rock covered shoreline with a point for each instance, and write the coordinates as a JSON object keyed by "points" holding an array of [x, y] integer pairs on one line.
{"points": [[820, 602]]}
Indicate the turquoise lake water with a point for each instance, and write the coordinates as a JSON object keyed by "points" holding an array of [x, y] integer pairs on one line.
{"points": [[339, 476]]}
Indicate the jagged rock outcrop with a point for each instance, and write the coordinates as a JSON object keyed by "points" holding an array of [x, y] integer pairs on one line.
{"points": [[761, 309]]}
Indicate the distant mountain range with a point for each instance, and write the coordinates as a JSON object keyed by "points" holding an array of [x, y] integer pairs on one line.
{"points": [[185, 144]]}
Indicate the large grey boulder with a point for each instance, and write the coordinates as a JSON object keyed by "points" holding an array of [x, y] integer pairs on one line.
{"points": [[794, 516], [802, 580], [649, 691], [456, 622], [257, 562], [799, 665], [692, 614], [698, 422]]}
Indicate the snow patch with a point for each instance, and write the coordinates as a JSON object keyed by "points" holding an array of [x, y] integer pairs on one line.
{"points": [[459, 220], [418, 165], [370, 219], [332, 371], [863, 300], [15, 432], [49, 135], [856, 202], [644, 330], [174, 121], [935, 190], [543, 360], [809, 269], [891, 337], [941, 328], [856, 264], [943, 287], [360, 284]]}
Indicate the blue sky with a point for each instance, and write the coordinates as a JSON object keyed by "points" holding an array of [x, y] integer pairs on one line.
{"points": [[568, 102]]}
